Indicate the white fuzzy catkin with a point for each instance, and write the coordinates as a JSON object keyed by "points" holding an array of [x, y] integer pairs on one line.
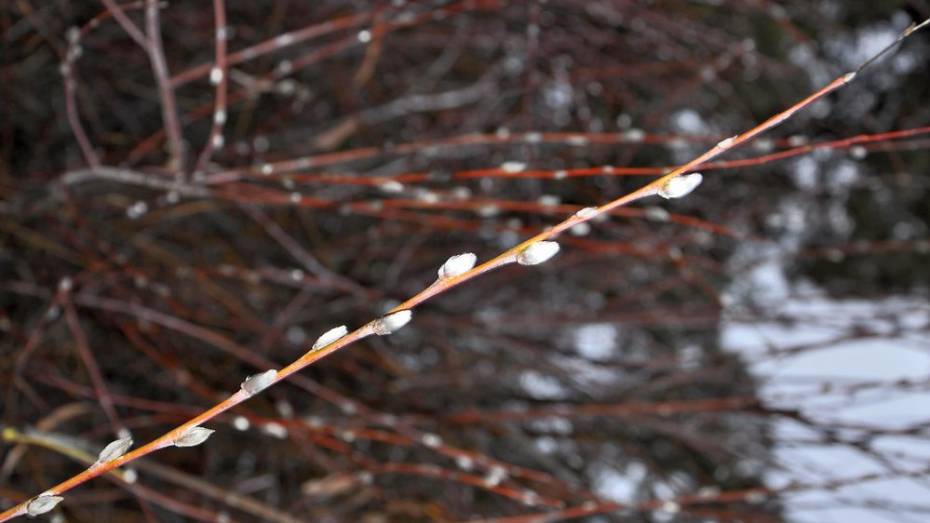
{"points": [[391, 322], [549, 200], [431, 440], [587, 213], [580, 229], [537, 253], [634, 135], [496, 474], [275, 430], [680, 185], [726, 143], [513, 167], [258, 382], [656, 214], [42, 504], [130, 476], [193, 436], [216, 75], [114, 450], [464, 462], [391, 186], [330, 336], [241, 423], [457, 265]]}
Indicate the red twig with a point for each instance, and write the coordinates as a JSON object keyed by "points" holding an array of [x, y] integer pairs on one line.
{"points": [[93, 369], [218, 76]]}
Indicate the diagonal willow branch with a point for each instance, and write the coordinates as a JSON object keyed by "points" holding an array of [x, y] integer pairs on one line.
{"points": [[533, 250], [77, 452]]}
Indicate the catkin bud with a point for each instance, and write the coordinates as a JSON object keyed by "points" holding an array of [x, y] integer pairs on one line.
{"points": [[496, 474], [726, 143], [193, 436], [656, 214], [329, 337], [457, 265], [431, 440], [391, 322], [130, 476], [391, 186], [258, 382], [680, 185], [114, 450], [216, 75], [537, 253], [587, 213], [42, 504]]}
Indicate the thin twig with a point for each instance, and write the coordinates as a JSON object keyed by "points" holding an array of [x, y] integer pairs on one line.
{"points": [[128, 25], [165, 90], [218, 76], [93, 369], [71, 109]]}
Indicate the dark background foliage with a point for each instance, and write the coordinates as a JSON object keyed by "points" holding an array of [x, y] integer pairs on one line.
{"points": [[609, 375]]}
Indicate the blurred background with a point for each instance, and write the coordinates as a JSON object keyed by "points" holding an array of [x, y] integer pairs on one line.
{"points": [[756, 352]]}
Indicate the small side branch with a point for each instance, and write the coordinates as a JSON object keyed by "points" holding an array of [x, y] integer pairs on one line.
{"points": [[218, 76], [165, 91]]}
